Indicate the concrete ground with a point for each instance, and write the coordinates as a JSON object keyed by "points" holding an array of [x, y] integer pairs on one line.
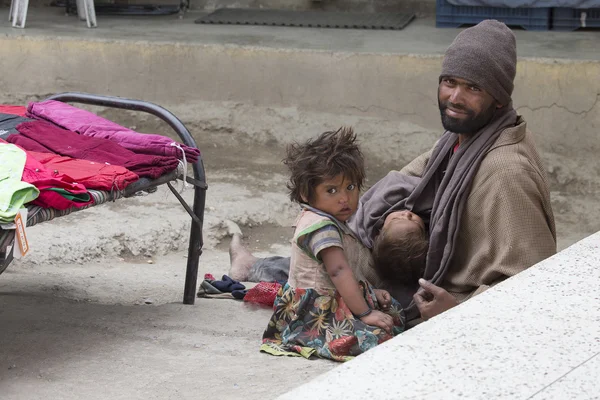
{"points": [[95, 310], [73, 314]]}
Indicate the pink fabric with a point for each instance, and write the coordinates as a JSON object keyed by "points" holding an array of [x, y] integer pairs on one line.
{"points": [[67, 143], [21, 111], [27, 144], [89, 124], [91, 174], [40, 177]]}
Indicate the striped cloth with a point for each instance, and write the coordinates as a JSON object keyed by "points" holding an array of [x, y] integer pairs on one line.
{"points": [[37, 214], [327, 236]]}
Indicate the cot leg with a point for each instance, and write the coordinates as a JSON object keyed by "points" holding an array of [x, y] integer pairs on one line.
{"points": [[195, 247], [7, 247]]}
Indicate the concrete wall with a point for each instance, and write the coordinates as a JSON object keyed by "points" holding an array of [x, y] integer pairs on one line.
{"points": [[558, 98], [270, 96]]}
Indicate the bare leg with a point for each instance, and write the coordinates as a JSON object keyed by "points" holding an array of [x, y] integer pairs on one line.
{"points": [[241, 259], [248, 268]]}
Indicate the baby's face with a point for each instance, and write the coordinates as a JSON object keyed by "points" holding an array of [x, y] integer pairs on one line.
{"points": [[404, 220]]}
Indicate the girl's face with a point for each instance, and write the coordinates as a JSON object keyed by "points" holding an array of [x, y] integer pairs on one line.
{"points": [[337, 196]]}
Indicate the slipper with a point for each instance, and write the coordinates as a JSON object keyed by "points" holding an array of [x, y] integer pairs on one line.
{"points": [[227, 284], [216, 296], [235, 285], [209, 288], [239, 294]]}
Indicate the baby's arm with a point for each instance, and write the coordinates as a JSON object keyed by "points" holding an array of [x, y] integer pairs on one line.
{"points": [[346, 284]]}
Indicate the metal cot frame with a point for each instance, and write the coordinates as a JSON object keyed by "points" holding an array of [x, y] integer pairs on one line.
{"points": [[196, 212]]}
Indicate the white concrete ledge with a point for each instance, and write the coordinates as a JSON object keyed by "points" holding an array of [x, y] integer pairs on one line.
{"points": [[534, 336]]}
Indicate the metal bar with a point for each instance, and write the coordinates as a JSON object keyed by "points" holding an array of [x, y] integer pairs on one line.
{"points": [[131, 190], [184, 204], [194, 249], [196, 240], [193, 182], [7, 247]]}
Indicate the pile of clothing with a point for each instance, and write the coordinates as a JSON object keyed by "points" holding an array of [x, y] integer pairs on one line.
{"points": [[263, 293], [52, 154]]}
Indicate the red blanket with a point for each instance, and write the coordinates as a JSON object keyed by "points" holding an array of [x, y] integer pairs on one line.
{"points": [[44, 137], [91, 174]]}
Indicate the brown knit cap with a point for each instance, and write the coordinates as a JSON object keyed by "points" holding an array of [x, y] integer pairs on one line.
{"points": [[485, 54]]}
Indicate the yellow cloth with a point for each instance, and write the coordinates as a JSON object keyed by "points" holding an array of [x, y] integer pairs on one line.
{"points": [[13, 192]]}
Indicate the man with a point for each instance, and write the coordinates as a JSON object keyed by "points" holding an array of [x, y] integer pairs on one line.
{"points": [[482, 189]]}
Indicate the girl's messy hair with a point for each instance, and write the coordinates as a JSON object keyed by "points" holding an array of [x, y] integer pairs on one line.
{"points": [[329, 155]]}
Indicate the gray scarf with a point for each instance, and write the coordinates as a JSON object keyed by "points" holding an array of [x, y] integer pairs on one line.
{"points": [[439, 197]]}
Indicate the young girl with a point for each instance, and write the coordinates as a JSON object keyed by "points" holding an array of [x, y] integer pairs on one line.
{"points": [[327, 308]]}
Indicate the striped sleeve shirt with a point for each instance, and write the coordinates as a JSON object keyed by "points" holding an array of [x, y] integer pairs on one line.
{"points": [[327, 236]]}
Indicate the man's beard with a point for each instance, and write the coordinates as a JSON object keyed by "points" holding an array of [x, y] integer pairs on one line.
{"points": [[469, 125]]}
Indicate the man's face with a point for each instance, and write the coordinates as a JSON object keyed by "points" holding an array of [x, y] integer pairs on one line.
{"points": [[465, 107]]}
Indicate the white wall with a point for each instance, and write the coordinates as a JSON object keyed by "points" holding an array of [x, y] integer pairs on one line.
{"points": [[534, 336]]}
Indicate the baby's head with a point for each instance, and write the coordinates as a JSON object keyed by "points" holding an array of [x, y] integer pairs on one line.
{"points": [[327, 172], [400, 248]]}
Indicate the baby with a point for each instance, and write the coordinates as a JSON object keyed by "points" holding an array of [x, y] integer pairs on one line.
{"points": [[400, 248]]}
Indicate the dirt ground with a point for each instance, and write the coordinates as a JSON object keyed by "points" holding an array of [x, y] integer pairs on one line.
{"points": [[95, 310]]}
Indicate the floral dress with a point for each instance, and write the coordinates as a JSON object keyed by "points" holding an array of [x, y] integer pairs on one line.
{"points": [[315, 320]]}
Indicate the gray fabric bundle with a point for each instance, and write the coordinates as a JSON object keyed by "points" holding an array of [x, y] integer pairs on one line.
{"points": [[8, 124]]}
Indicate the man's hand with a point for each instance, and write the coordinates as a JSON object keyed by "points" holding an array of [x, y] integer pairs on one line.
{"points": [[383, 298], [432, 300]]}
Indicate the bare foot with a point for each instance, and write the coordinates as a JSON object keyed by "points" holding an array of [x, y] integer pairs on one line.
{"points": [[241, 259]]}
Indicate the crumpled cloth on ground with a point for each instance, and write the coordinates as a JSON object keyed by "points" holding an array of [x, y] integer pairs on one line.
{"points": [[226, 288], [263, 293]]}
